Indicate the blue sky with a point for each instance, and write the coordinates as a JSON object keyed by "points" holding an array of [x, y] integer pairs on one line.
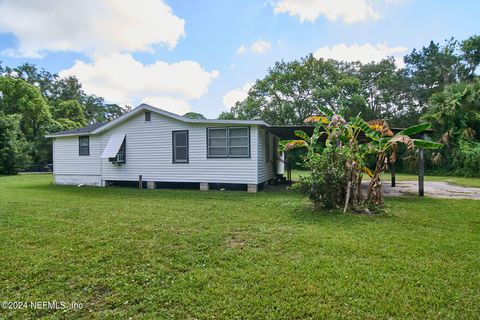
{"points": [[202, 56]]}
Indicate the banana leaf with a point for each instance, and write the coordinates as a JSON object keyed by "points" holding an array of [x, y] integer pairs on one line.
{"points": [[415, 129], [427, 144]]}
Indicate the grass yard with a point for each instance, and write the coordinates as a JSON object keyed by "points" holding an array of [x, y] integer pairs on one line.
{"points": [[461, 181], [201, 255]]}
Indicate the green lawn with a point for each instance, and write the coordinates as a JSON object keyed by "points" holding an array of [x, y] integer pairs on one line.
{"points": [[461, 181], [202, 255]]}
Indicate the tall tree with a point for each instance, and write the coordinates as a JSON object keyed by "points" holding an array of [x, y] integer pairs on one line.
{"points": [[471, 56], [431, 69], [292, 91], [24, 99], [386, 90], [13, 146]]}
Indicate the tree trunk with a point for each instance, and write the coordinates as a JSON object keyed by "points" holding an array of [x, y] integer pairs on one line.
{"points": [[375, 192]]}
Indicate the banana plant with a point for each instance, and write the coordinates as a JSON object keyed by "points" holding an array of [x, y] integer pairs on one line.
{"points": [[337, 133], [383, 141]]}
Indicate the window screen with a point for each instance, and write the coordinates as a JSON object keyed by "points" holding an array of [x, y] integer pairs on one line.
{"points": [[217, 142], [122, 152], [84, 146], [232, 142], [180, 146]]}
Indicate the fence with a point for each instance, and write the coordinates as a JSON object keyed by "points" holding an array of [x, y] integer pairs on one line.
{"points": [[38, 167]]}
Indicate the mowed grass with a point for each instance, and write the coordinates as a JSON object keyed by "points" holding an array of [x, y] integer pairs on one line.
{"points": [[460, 181], [202, 255]]}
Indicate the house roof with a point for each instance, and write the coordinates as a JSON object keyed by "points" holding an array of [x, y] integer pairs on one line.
{"points": [[78, 131], [100, 127]]}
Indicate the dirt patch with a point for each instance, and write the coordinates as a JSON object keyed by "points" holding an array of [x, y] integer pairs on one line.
{"points": [[236, 241], [434, 189]]}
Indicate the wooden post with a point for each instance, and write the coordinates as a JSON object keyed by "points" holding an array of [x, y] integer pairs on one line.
{"points": [[421, 172], [140, 182], [393, 171]]}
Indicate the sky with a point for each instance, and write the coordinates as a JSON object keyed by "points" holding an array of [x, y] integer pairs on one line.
{"points": [[203, 56]]}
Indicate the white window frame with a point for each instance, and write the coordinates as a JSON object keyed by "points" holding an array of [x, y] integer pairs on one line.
{"points": [[175, 147], [227, 146], [80, 146]]}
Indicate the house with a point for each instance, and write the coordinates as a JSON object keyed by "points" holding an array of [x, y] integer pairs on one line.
{"points": [[163, 147]]}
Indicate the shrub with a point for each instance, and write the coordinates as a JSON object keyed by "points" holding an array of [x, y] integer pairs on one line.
{"points": [[326, 185], [468, 159]]}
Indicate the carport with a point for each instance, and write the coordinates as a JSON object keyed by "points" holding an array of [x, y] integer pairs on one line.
{"points": [[287, 132]]}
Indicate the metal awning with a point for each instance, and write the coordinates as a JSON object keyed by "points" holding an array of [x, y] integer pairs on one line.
{"points": [[113, 145], [287, 132]]}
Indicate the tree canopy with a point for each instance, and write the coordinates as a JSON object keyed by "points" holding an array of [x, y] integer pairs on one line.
{"points": [[35, 102], [194, 115], [292, 91]]}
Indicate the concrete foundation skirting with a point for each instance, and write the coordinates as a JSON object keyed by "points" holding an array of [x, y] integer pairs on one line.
{"points": [[204, 186], [252, 188], [150, 185]]}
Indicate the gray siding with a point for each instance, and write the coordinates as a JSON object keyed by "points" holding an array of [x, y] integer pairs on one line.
{"points": [[149, 153], [265, 169]]}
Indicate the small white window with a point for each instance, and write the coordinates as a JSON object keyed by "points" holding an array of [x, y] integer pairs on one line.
{"points": [[180, 146], [84, 146], [231, 142]]}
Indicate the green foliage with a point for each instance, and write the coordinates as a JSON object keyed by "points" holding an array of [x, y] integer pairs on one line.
{"points": [[194, 115], [467, 160], [471, 56], [455, 113], [337, 165], [71, 111], [47, 103], [292, 91], [432, 68], [415, 129], [327, 181], [13, 147], [25, 100], [226, 115]]}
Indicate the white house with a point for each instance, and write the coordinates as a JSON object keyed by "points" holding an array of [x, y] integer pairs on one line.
{"points": [[163, 147]]}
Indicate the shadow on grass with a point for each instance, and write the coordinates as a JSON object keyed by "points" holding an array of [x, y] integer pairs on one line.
{"points": [[310, 215], [179, 194]]}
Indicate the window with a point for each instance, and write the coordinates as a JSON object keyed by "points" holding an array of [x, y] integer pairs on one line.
{"points": [[180, 146], [147, 115], [231, 142], [267, 147], [217, 142], [122, 152], [84, 146]]}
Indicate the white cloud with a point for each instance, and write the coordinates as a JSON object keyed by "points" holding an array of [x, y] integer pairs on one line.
{"points": [[93, 27], [122, 79], [364, 53], [242, 49], [258, 47], [240, 94], [349, 11]]}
